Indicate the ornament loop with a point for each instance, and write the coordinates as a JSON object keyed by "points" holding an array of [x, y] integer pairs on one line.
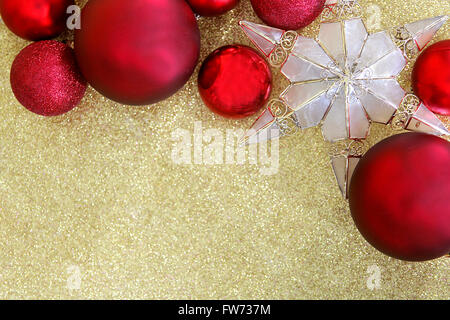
{"points": [[278, 108], [405, 111], [340, 10], [287, 42], [348, 148], [410, 104], [288, 126], [284, 46], [357, 148], [278, 56], [399, 122], [404, 41]]}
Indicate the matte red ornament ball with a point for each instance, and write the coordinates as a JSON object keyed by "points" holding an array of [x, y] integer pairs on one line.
{"points": [[431, 77], [137, 52], [45, 78], [400, 196], [210, 8], [288, 14], [235, 81], [35, 19]]}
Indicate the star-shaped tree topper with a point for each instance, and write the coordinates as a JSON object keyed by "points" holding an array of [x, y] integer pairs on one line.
{"points": [[343, 80]]}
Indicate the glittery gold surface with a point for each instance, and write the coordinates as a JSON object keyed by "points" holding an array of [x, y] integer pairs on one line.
{"points": [[92, 206]]}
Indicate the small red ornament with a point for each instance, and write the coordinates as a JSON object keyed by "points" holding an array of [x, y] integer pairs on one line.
{"points": [[35, 19], [400, 196], [234, 81], [137, 52], [288, 14], [45, 78], [431, 77], [210, 8]]}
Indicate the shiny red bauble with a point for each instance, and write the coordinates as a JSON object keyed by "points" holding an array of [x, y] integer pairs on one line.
{"points": [[431, 77], [35, 19], [288, 14], [211, 8], [45, 78], [234, 81], [137, 52], [400, 196]]}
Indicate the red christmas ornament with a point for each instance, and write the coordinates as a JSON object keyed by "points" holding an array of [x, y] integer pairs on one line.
{"points": [[137, 52], [35, 19], [212, 8], [45, 78], [288, 14], [400, 196], [234, 81], [431, 77]]}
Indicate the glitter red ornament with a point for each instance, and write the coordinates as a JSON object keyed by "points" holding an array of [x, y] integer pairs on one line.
{"points": [[431, 77], [137, 52], [235, 81], [400, 196], [288, 14], [212, 8], [45, 78], [35, 19]]}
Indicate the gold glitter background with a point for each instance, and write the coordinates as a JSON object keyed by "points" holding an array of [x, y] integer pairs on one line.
{"points": [[95, 193]]}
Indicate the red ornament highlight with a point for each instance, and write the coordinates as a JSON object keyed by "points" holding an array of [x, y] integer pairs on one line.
{"points": [[35, 19], [288, 14], [400, 196], [45, 78], [235, 81], [210, 8], [431, 77], [137, 52]]}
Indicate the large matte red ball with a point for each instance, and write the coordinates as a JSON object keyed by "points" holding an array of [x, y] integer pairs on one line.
{"points": [[45, 78], [431, 77], [212, 8], [137, 52], [288, 14], [234, 81], [35, 19], [400, 196]]}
